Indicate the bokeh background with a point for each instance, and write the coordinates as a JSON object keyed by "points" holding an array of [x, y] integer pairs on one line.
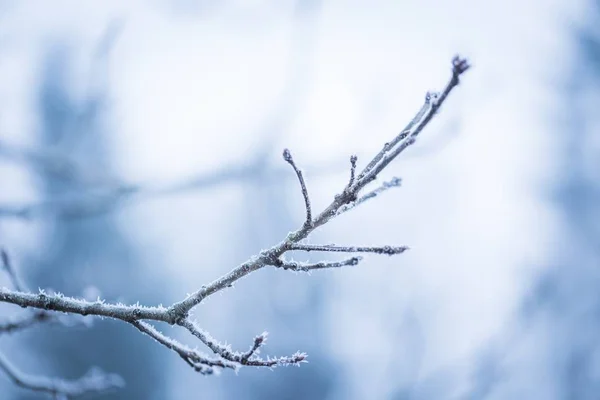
{"points": [[140, 157]]}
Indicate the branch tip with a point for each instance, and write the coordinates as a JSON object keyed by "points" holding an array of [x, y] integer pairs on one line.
{"points": [[459, 65], [287, 156], [178, 313]]}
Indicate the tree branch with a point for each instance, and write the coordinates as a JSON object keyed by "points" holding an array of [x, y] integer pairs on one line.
{"points": [[287, 156], [389, 250], [307, 267], [178, 313], [12, 274]]}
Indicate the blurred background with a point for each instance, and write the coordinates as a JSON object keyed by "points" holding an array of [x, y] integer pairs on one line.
{"points": [[140, 157]]}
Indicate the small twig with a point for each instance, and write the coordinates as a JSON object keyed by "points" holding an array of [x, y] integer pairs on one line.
{"points": [[306, 267], [401, 136], [198, 361], [287, 156], [353, 159], [258, 341], [459, 66], [389, 250], [394, 182], [92, 382]]}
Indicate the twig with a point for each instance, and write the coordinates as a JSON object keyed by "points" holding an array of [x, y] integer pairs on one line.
{"points": [[394, 182], [237, 357], [306, 267], [388, 250], [459, 67], [287, 156], [92, 382], [198, 361], [353, 159]]}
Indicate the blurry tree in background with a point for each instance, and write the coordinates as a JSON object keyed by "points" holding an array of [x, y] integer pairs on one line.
{"points": [[553, 351], [568, 295], [86, 254]]}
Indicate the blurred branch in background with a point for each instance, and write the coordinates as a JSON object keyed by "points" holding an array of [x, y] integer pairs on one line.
{"points": [[179, 312], [93, 381], [71, 120], [98, 199]]}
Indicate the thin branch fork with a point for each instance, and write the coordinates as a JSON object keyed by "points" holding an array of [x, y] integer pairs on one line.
{"points": [[307, 267], [179, 313]]}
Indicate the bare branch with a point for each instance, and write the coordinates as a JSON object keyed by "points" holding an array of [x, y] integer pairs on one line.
{"points": [[268, 257], [178, 313], [307, 267], [93, 382], [388, 250], [287, 156], [58, 302], [401, 136]]}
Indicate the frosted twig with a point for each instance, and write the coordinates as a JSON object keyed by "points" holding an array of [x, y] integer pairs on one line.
{"points": [[237, 357], [92, 382], [401, 136], [287, 156], [388, 250], [306, 267], [258, 341]]}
